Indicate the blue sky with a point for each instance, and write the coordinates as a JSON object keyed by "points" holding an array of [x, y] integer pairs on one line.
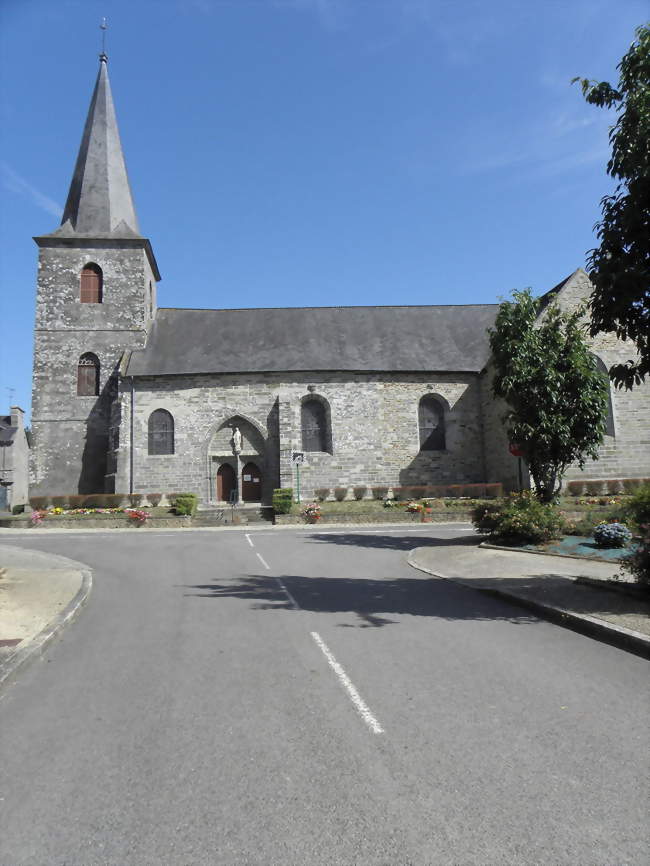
{"points": [[315, 152]]}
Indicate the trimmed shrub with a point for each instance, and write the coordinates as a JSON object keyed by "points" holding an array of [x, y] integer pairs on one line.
{"points": [[60, 501], [185, 504], [39, 503], [18, 509], [614, 487], [631, 485], [454, 491], [282, 500], [154, 498], [340, 493], [575, 488], [638, 563], [637, 509], [519, 519], [97, 500], [594, 488], [379, 492], [493, 491], [136, 498], [611, 535], [359, 492], [322, 493]]}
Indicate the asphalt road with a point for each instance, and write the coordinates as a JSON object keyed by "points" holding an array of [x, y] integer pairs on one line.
{"points": [[296, 697]]}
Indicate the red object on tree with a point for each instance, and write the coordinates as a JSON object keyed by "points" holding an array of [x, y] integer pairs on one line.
{"points": [[516, 450]]}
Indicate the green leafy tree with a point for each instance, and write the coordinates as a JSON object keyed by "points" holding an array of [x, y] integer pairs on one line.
{"points": [[556, 396], [620, 267]]}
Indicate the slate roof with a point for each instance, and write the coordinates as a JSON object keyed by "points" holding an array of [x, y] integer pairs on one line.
{"points": [[100, 203], [7, 434], [408, 339]]}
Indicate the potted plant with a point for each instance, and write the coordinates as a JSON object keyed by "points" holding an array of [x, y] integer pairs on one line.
{"points": [[312, 513]]}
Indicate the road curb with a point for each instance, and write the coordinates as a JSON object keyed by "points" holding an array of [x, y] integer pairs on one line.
{"points": [[36, 646], [623, 638]]}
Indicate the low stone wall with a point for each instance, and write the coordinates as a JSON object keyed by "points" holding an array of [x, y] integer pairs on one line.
{"points": [[389, 516], [116, 522], [175, 522]]}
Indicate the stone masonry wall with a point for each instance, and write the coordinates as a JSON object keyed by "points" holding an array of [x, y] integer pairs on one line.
{"points": [[71, 432], [374, 429], [500, 465], [627, 453]]}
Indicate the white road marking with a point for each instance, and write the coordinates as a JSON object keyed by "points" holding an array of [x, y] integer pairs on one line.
{"points": [[294, 603], [248, 539], [345, 681], [263, 561]]}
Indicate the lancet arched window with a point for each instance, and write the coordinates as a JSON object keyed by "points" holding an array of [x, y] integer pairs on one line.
{"points": [[161, 432], [431, 422], [314, 426], [88, 375], [609, 420], [91, 285]]}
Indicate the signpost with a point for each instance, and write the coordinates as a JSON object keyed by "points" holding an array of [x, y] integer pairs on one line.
{"points": [[298, 458], [517, 451]]}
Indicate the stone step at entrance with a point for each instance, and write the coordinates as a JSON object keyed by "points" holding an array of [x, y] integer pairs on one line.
{"points": [[243, 515]]}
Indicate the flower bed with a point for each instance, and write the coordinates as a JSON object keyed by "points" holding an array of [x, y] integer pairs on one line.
{"points": [[137, 515]]}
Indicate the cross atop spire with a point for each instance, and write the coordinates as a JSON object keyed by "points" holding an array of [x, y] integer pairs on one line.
{"points": [[100, 202], [103, 27]]}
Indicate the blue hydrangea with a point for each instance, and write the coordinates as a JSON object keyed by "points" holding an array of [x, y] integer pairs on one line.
{"points": [[612, 535]]}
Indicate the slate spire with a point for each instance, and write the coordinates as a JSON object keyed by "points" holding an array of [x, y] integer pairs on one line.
{"points": [[100, 201]]}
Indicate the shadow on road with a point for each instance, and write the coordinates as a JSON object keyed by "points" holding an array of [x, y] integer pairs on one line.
{"points": [[392, 542], [372, 600]]}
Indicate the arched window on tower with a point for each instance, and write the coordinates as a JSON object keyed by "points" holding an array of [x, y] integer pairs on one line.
{"points": [[609, 420], [314, 426], [88, 375], [431, 422], [91, 284], [161, 432]]}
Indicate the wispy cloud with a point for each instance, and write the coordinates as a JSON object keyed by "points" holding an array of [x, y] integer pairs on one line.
{"points": [[13, 182], [562, 140]]}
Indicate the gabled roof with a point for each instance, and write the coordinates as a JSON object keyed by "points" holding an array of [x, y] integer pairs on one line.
{"points": [[7, 434], [100, 203], [408, 339]]}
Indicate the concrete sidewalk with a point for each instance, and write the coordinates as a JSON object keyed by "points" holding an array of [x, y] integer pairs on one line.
{"points": [[549, 585], [39, 594]]}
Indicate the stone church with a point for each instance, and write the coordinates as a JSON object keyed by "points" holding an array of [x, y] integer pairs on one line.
{"points": [[130, 397]]}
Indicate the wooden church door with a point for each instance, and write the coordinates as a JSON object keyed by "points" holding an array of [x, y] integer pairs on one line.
{"points": [[251, 483], [226, 482]]}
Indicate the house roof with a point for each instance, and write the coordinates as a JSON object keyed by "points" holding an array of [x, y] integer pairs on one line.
{"points": [[408, 339], [7, 434]]}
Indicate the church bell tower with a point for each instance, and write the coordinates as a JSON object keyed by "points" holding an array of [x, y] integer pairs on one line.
{"points": [[96, 299]]}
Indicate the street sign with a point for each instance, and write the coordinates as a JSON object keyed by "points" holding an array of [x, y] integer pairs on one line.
{"points": [[298, 458], [516, 450]]}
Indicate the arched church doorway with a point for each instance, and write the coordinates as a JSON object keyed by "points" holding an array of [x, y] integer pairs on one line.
{"points": [[251, 483], [226, 482]]}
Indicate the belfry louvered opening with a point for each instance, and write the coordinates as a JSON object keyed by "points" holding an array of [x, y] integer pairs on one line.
{"points": [[88, 375], [91, 286]]}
